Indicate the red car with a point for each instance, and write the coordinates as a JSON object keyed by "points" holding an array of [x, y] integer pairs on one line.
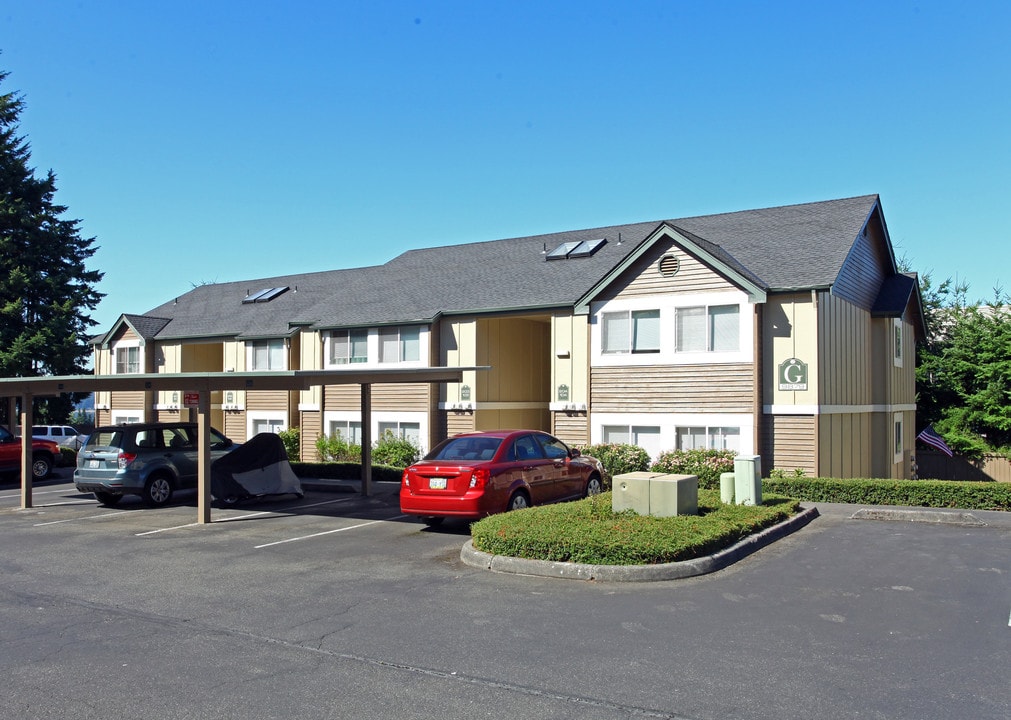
{"points": [[45, 455], [481, 473]]}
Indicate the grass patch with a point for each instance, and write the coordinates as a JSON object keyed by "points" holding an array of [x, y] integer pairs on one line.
{"points": [[588, 531]]}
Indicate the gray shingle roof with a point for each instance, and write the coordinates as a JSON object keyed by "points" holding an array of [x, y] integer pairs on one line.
{"points": [[797, 246]]}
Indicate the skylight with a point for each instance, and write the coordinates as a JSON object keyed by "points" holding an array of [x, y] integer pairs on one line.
{"points": [[576, 249], [265, 295]]}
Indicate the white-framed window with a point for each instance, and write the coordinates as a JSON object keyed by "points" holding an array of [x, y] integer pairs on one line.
{"points": [[128, 359], [704, 437], [348, 347], [267, 354], [631, 331], [404, 430], [898, 431], [713, 328], [410, 425], [126, 417], [400, 344], [897, 341], [349, 430], [645, 436], [263, 422]]}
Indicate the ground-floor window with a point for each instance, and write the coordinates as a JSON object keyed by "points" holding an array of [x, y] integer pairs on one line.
{"points": [[657, 433], [349, 430], [410, 431], [126, 417], [645, 436], [266, 423], [709, 438]]}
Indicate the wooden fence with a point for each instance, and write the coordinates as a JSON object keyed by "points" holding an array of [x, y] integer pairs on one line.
{"points": [[933, 465]]}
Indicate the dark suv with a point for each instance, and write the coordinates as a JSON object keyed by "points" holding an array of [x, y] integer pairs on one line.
{"points": [[152, 460]]}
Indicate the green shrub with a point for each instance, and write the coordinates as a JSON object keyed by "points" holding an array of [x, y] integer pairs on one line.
{"points": [[344, 471], [968, 495], [396, 451], [618, 458], [706, 464], [292, 445], [588, 531], [335, 448]]}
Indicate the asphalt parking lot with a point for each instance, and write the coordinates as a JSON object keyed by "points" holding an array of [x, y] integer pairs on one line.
{"points": [[337, 606]]}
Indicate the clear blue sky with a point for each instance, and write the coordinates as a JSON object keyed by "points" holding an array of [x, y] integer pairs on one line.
{"points": [[212, 141]]}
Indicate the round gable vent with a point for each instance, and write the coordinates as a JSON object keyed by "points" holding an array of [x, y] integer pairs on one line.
{"points": [[669, 265]]}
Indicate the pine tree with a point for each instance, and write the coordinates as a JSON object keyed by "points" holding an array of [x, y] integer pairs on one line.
{"points": [[46, 290]]}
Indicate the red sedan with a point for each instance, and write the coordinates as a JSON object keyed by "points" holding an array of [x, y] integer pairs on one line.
{"points": [[481, 473]]}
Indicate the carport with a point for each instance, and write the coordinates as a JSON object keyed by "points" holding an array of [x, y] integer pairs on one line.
{"points": [[203, 384]]}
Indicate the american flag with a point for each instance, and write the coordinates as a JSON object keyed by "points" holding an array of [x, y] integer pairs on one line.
{"points": [[930, 437]]}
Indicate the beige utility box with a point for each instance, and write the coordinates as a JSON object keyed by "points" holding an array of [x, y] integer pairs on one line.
{"points": [[655, 494]]}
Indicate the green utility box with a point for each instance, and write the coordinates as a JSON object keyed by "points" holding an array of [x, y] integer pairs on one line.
{"points": [[655, 494], [748, 479]]}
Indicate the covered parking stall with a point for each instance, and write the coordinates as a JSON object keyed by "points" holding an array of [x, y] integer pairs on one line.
{"points": [[203, 384]]}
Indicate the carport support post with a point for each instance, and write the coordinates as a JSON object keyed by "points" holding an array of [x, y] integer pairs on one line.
{"points": [[204, 457], [366, 439], [26, 451]]}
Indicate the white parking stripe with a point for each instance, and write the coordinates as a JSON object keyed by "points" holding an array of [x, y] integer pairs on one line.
{"points": [[329, 532], [90, 517], [244, 516], [38, 492]]}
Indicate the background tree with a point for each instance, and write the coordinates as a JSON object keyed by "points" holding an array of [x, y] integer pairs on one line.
{"points": [[46, 290], [963, 373]]}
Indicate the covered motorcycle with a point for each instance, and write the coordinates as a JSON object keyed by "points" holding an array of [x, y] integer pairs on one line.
{"points": [[256, 468]]}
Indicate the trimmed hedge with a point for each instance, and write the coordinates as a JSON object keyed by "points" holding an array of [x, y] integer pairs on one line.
{"points": [[344, 471], [915, 493], [589, 531]]}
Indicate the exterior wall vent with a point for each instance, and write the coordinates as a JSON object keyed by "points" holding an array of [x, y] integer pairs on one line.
{"points": [[669, 265]]}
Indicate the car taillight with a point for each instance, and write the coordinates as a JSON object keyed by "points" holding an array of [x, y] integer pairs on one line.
{"points": [[126, 458], [405, 479], [479, 478]]}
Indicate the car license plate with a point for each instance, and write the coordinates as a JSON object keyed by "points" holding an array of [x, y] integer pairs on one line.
{"points": [[93, 464], [437, 483]]}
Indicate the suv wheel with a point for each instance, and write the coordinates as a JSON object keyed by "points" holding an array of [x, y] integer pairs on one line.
{"points": [[157, 491]]}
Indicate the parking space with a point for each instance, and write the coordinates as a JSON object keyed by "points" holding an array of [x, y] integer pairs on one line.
{"points": [[259, 524]]}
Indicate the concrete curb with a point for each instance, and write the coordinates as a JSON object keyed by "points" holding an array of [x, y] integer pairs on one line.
{"points": [[637, 573]]}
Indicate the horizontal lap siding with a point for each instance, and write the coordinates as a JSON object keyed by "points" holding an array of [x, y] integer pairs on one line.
{"points": [[571, 429], [673, 389], [644, 279], [235, 426], [130, 400], [272, 400], [413, 397], [458, 422], [788, 442], [308, 434]]}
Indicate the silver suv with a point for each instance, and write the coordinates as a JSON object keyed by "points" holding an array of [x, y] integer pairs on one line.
{"points": [[152, 460]]}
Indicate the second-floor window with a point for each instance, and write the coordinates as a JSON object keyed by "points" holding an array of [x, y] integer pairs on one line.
{"points": [[349, 346], [713, 328], [399, 344], [127, 360], [267, 355], [635, 331]]}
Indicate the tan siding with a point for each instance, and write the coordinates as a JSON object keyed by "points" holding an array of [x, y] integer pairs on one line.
{"points": [[643, 277], [309, 431], [127, 400], [405, 397], [571, 428], [457, 422], [788, 443], [671, 389], [269, 400], [517, 349], [168, 416], [125, 333], [235, 426], [844, 450], [844, 352]]}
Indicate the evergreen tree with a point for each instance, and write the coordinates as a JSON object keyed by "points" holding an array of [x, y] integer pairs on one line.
{"points": [[46, 290]]}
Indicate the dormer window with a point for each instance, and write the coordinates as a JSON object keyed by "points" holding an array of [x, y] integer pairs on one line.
{"points": [[127, 360]]}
